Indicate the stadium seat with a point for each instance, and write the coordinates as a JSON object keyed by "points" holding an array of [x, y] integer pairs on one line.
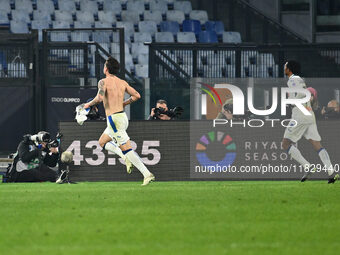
{"points": [[66, 5], [147, 27], [107, 16], [85, 16], [62, 15], [112, 5], [40, 25], [115, 37], [208, 37], [130, 16], [164, 37], [4, 17], [128, 28], [139, 48], [169, 26], [115, 48], [24, 5], [192, 26], [142, 37], [175, 15], [200, 15], [80, 36], [159, 5], [101, 24], [143, 59], [5, 6], [60, 24], [153, 15], [135, 6], [45, 5], [129, 62], [184, 6], [216, 26], [102, 36], [19, 27], [231, 37], [41, 15], [186, 37], [79, 24], [21, 15], [142, 71], [89, 6]]}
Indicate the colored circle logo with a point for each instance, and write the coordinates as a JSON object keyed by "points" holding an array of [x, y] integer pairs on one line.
{"points": [[216, 148]]}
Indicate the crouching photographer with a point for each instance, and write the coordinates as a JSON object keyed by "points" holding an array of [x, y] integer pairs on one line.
{"points": [[161, 111], [35, 158]]}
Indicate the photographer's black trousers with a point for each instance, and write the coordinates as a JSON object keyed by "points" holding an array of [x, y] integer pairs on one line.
{"points": [[39, 174]]}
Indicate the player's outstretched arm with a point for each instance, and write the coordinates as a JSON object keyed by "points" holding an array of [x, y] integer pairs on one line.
{"points": [[134, 95], [99, 97]]}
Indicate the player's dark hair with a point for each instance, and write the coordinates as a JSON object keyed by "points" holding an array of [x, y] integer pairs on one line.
{"points": [[294, 67], [162, 101], [112, 65]]}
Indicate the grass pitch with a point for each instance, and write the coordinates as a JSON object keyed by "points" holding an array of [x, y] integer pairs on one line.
{"points": [[170, 218]]}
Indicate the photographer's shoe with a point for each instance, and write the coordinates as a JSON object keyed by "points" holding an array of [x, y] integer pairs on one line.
{"points": [[62, 177], [129, 166], [148, 179]]}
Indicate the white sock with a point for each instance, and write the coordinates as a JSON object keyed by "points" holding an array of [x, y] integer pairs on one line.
{"points": [[323, 154], [110, 146], [137, 162], [296, 154]]}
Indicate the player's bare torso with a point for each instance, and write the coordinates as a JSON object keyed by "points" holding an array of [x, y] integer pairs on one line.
{"points": [[114, 94]]}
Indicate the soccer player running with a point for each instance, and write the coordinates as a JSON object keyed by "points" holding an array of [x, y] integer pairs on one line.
{"points": [[111, 92], [306, 126]]}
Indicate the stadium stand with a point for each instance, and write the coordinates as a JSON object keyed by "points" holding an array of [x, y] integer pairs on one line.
{"points": [[143, 21]]}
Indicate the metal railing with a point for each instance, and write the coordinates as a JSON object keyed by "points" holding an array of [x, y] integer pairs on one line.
{"points": [[74, 56], [182, 61]]}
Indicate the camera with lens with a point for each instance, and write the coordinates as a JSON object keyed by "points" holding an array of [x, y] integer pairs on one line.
{"points": [[172, 113], [44, 137], [55, 143]]}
